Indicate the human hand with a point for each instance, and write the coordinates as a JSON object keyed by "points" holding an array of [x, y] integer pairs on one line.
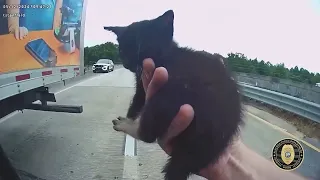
{"points": [[20, 33], [152, 80]]}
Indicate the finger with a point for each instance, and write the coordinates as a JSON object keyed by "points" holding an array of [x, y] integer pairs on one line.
{"points": [[16, 33], [25, 30], [21, 33], [160, 77], [148, 68], [179, 123]]}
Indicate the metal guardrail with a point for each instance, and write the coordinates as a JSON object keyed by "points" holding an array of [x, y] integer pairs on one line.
{"points": [[292, 104]]}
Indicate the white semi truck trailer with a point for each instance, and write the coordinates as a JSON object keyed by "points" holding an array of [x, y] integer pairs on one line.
{"points": [[40, 44]]}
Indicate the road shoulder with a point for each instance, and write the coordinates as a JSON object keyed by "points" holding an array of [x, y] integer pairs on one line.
{"points": [[283, 126]]}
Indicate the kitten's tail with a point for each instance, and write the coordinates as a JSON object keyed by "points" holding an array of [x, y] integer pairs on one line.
{"points": [[179, 167]]}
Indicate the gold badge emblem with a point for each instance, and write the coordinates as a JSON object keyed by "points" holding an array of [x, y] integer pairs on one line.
{"points": [[288, 154]]}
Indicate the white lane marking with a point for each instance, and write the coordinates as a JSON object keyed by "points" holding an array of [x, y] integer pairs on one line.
{"points": [[130, 168], [8, 116], [284, 131], [129, 146], [2, 120]]}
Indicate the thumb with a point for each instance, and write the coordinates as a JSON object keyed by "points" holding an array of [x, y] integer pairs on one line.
{"points": [[16, 33], [179, 123]]}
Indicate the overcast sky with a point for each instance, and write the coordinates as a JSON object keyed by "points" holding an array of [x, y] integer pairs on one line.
{"points": [[279, 31]]}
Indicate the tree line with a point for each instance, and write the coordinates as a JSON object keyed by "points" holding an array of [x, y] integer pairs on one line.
{"points": [[107, 50], [240, 63], [237, 62]]}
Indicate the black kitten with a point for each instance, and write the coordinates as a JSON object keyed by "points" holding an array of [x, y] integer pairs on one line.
{"points": [[195, 78]]}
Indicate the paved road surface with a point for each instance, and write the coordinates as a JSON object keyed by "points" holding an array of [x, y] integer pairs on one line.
{"points": [[60, 146]]}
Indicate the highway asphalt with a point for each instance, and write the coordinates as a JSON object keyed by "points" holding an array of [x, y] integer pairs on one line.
{"points": [[62, 146]]}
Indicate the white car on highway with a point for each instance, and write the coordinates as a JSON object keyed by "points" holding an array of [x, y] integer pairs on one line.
{"points": [[103, 65]]}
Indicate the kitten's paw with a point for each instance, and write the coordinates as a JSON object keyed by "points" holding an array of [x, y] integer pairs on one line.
{"points": [[126, 125], [120, 124], [115, 121], [120, 118], [116, 125]]}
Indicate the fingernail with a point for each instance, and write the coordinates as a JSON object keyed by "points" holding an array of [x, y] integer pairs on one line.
{"points": [[147, 59], [145, 74]]}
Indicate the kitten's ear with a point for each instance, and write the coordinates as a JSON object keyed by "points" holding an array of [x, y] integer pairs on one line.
{"points": [[118, 30], [167, 18]]}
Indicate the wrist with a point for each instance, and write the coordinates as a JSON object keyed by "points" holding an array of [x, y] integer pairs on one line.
{"points": [[217, 170], [229, 165], [245, 164]]}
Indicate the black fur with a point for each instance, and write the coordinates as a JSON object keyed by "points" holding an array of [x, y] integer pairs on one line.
{"points": [[195, 78]]}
